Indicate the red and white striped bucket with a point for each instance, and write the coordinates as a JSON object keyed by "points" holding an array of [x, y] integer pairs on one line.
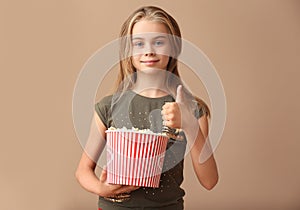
{"points": [[135, 158]]}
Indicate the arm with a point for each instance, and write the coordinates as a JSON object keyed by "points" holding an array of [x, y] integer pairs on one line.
{"points": [[85, 172], [207, 172], [178, 115]]}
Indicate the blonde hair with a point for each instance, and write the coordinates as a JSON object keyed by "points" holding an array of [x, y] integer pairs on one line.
{"points": [[127, 77]]}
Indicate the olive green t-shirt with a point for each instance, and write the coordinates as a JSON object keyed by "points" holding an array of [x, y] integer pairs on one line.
{"points": [[134, 110]]}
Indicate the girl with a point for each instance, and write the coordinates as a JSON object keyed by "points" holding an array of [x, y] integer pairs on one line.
{"points": [[149, 81]]}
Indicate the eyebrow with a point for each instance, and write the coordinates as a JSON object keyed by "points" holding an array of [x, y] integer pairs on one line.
{"points": [[141, 38]]}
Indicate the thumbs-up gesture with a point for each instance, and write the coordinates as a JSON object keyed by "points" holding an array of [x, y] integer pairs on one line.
{"points": [[177, 114]]}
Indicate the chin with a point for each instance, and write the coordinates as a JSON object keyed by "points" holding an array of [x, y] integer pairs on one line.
{"points": [[152, 70]]}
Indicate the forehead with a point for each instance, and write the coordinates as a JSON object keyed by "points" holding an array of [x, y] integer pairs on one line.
{"points": [[148, 27]]}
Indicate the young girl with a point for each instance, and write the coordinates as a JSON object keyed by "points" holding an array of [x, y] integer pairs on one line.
{"points": [[149, 81]]}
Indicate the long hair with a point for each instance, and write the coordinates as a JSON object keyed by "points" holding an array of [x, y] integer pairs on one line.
{"points": [[127, 72]]}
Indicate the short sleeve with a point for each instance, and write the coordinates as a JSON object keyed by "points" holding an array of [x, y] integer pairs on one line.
{"points": [[200, 111], [102, 108]]}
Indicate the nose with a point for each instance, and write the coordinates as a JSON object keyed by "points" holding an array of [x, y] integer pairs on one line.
{"points": [[149, 51], [150, 54]]}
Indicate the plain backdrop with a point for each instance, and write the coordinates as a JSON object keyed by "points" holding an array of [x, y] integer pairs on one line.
{"points": [[254, 46]]}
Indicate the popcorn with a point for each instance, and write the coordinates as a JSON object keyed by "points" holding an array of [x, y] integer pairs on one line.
{"points": [[133, 129], [134, 156]]}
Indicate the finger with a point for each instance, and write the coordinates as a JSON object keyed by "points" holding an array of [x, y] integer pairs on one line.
{"points": [[170, 108], [164, 112], [167, 105], [169, 117], [126, 189], [169, 123], [179, 96], [115, 187], [163, 117]]}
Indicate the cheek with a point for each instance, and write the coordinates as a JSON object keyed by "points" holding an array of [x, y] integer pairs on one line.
{"points": [[137, 52], [164, 51], [165, 60], [135, 61]]}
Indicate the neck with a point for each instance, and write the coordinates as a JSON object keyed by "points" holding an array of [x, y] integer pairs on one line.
{"points": [[151, 83]]}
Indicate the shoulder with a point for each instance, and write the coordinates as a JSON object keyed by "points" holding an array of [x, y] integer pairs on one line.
{"points": [[103, 105], [106, 100]]}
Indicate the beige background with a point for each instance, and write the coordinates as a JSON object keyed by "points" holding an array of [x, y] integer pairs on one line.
{"points": [[254, 45]]}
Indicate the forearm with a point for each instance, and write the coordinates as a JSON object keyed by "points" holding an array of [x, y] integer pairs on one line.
{"points": [[88, 179], [206, 172]]}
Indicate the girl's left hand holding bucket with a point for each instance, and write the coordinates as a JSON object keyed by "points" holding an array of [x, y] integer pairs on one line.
{"points": [[111, 190]]}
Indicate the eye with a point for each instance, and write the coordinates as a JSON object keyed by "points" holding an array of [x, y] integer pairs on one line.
{"points": [[138, 44], [158, 43]]}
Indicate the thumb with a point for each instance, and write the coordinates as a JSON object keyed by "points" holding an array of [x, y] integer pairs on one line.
{"points": [[179, 95], [103, 175]]}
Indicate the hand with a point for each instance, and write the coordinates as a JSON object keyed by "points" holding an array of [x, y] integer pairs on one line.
{"points": [[111, 190], [178, 114]]}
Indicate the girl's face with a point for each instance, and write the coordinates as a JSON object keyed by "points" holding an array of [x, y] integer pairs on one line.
{"points": [[151, 46]]}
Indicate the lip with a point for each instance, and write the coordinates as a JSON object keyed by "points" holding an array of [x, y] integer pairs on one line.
{"points": [[149, 62]]}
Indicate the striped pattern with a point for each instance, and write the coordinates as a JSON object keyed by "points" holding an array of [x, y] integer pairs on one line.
{"points": [[135, 158]]}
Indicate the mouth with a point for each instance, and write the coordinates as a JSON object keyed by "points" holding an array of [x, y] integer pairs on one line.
{"points": [[150, 62]]}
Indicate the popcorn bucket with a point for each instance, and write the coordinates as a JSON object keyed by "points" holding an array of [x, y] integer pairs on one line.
{"points": [[135, 158]]}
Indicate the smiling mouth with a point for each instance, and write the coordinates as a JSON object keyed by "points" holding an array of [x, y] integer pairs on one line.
{"points": [[151, 61]]}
